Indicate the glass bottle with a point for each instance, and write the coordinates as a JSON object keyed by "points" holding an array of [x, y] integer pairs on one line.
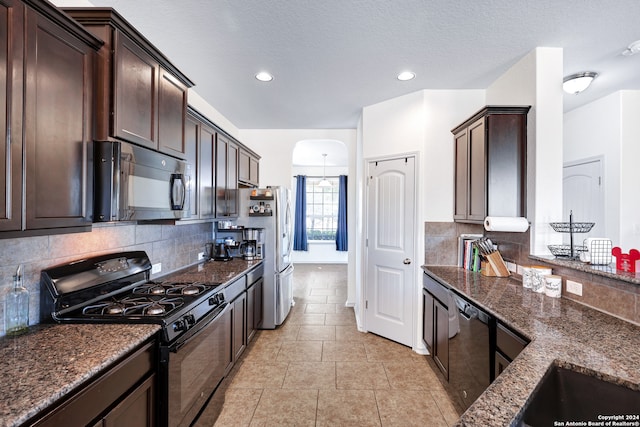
{"points": [[16, 308]]}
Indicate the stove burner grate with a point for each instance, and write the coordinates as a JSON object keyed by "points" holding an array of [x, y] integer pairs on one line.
{"points": [[153, 288], [134, 306]]}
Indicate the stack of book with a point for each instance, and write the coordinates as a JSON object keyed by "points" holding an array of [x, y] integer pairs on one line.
{"points": [[468, 257]]}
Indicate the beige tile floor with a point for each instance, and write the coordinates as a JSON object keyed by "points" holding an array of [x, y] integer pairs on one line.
{"points": [[318, 370]]}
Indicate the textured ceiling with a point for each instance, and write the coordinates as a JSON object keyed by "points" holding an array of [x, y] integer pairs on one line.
{"points": [[330, 58]]}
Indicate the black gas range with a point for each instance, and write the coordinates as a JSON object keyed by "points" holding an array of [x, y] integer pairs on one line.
{"points": [[195, 319], [115, 288]]}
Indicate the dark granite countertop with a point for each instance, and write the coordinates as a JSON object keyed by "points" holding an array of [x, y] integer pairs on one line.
{"points": [[51, 360], [608, 270], [560, 330], [214, 271]]}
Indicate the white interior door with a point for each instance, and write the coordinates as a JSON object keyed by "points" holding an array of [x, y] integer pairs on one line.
{"points": [[583, 194], [390, 233]]}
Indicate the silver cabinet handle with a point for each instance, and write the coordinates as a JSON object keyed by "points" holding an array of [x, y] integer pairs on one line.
{"points": [[407, 261]]}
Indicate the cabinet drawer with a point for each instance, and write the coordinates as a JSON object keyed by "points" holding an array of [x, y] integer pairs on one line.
{"points": [[255, 274], [508, 342], [235, 288], [438, 290]]}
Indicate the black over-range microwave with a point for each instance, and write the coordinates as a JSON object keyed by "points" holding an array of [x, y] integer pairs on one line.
{"points": [[135, 183]]}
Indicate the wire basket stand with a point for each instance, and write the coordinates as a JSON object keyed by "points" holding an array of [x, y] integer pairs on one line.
{"points": [[570, 251]]}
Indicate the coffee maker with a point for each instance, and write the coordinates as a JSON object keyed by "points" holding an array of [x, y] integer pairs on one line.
{"points": [[252, 246]]}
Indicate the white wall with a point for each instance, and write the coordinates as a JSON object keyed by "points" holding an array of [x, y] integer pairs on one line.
{"points": [[536, 80], [207, 110], [594, 130], [609, 127], [630, 171]]}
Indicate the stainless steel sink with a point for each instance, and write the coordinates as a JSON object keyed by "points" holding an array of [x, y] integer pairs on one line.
{"points": [[565, 395]]}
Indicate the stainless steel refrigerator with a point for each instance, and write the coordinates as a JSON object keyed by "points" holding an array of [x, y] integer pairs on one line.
{"points": [[275, 217]]}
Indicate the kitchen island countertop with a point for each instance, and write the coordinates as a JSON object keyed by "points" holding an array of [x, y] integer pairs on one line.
{"points": [[561, 331], [51, 360]]}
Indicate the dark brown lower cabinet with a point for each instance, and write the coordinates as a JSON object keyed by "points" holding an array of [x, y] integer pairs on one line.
{"points": [[254, 308], [125, 395], [435, 323], [136, 410], [508, 345], [239, 326]]}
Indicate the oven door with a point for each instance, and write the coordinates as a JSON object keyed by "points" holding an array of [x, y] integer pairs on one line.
{"points": [[197, 362]]}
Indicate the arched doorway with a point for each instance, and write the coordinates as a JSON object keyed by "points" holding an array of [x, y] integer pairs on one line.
{"points": [[308, 159]]}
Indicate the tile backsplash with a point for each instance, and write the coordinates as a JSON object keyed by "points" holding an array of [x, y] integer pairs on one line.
{"points": [[174, 246], [616, 297]]}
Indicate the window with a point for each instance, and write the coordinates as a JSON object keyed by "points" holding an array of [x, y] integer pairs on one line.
{"points": [[322, 209]]}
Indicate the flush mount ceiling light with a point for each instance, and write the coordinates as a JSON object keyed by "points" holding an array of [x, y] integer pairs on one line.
{"points": [[578, 82], [263, 76], [406, 75], [632, 49], [325, 182]]}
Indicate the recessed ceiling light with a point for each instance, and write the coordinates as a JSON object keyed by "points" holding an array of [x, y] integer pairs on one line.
{"points": [[578, 82], [263, 76], [406, 75]]}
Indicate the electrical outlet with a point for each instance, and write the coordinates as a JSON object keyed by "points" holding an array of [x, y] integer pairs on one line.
{"points": [[512, 266], [574, 287], [156, 268], [200, 256]]}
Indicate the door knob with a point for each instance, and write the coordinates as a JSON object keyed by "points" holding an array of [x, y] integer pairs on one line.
{"points": [[407, 261]]}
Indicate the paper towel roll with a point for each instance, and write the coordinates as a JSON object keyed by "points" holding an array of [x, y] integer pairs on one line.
{"points": [[506, 223]]}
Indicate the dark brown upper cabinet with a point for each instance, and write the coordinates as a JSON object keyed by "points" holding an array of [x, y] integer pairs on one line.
{"points": [[248, 168], [141, 95], [490, 164], [11, 71], [226, 173], [49, 124]]}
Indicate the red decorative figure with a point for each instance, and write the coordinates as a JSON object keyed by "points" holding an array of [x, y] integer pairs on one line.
{"points": [[626, 262]]}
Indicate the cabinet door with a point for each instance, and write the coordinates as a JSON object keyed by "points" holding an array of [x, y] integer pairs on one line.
{"points": [[238, 328], [427, 320], [441, 346], [58, 117], [232, 180], [192, 145], [221, 177], [254, 170], [461, 181], [258, 306], [244, 172], [251, 304], [477, 208], [506, 164], [206, 181], [135, 98], [136, 410], [11, 60], [172, 110]]}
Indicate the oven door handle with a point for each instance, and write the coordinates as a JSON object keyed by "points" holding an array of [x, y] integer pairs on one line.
{"points": [[191, 333]]}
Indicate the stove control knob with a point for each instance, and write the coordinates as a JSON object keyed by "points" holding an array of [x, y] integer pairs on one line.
{"points": [[180, 325], [190, 319], [217, 299]]}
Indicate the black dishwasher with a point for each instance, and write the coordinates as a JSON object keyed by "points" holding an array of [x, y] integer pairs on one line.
{"points": [[457, 334], [469, 353]]}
